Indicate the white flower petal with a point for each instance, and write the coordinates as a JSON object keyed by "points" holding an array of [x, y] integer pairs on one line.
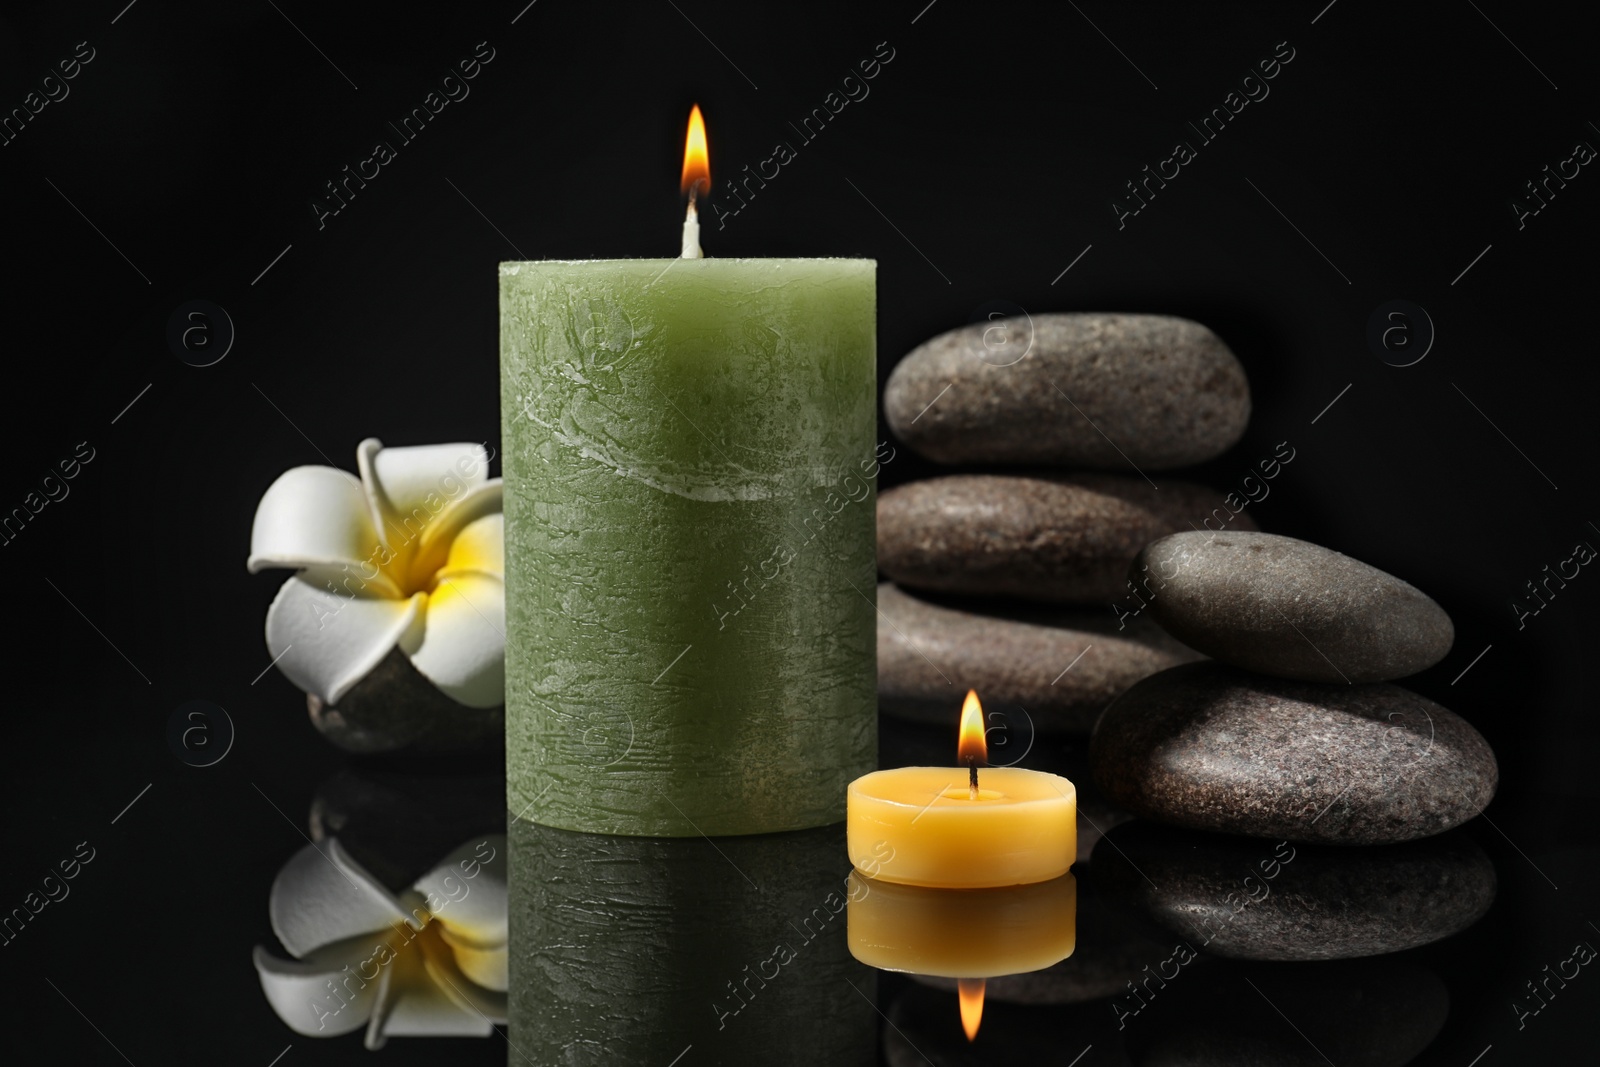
{"points": [[466, 893], [365, 451], [461, 646], [412, 487], [312, 515], [433, 548], [423, 996], [441, 963], [325, 642], [487, 967], [480, 547], [323, 896], [299, 993]]}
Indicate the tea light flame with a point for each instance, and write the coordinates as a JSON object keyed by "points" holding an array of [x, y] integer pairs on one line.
{"points": [[972, 749], [972, 745]]}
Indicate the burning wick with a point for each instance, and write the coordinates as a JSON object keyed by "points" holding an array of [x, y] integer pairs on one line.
{"points": [[691, 231], [696, 172], [972, 749]]}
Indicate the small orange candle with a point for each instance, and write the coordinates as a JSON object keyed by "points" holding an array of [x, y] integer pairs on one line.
{"points": [[959, 828]]}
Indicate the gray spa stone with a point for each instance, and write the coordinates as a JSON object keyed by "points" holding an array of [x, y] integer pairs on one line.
{"points": [[930, 655], [395, 711], [1104, 390], [1290, 608], [1212, 747], [1057, 538]]}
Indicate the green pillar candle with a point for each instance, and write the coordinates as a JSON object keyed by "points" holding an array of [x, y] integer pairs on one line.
{"points": [[690, 481]]}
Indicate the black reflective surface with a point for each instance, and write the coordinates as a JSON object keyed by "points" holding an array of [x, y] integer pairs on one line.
{"points": [[1190, 948]]}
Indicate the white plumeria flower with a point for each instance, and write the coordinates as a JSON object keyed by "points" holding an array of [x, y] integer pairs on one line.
{"points": [[431, 961], [411, 555]]}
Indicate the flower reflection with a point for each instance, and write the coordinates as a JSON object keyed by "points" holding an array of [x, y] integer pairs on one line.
{"points": [[428, 961]]}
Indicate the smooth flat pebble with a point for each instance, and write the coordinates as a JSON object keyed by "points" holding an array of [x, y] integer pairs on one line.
{"points": [[1061, 667], [1281, 606], [1212, 747], [1057, 538], [1103, 390]]}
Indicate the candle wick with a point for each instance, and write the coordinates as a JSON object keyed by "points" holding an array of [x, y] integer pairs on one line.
{"points": [[691, 227], [972, 777]]}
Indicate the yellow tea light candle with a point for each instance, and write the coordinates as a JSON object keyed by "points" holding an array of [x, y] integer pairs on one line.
{"points": [[951, 828], [961, 933]]}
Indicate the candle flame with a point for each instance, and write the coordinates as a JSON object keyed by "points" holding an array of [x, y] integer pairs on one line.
{"points": [[972, 746], [970, 990], [696, 158]]}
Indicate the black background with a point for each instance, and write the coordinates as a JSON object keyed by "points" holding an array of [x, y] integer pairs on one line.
{"points": [[983, 162]]}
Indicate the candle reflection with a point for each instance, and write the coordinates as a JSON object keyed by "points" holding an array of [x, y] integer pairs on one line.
{"points": [[967, 934], [632, 949]]}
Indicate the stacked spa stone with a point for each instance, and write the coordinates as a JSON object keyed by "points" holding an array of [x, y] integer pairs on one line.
{"points": [[1081, 408], [1255, 773], [1293, 730]]}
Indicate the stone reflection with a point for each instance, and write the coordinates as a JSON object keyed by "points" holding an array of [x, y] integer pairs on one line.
{"points": [[1249, 898], [632, 949], [1356, 1013]]}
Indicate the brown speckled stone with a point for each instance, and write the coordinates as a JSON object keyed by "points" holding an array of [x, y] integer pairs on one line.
{"points": [[1057, 538], [1290, 608], [930, 655], [1211, 747], [1245, 898], [396, 710], [1103, 390]]}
